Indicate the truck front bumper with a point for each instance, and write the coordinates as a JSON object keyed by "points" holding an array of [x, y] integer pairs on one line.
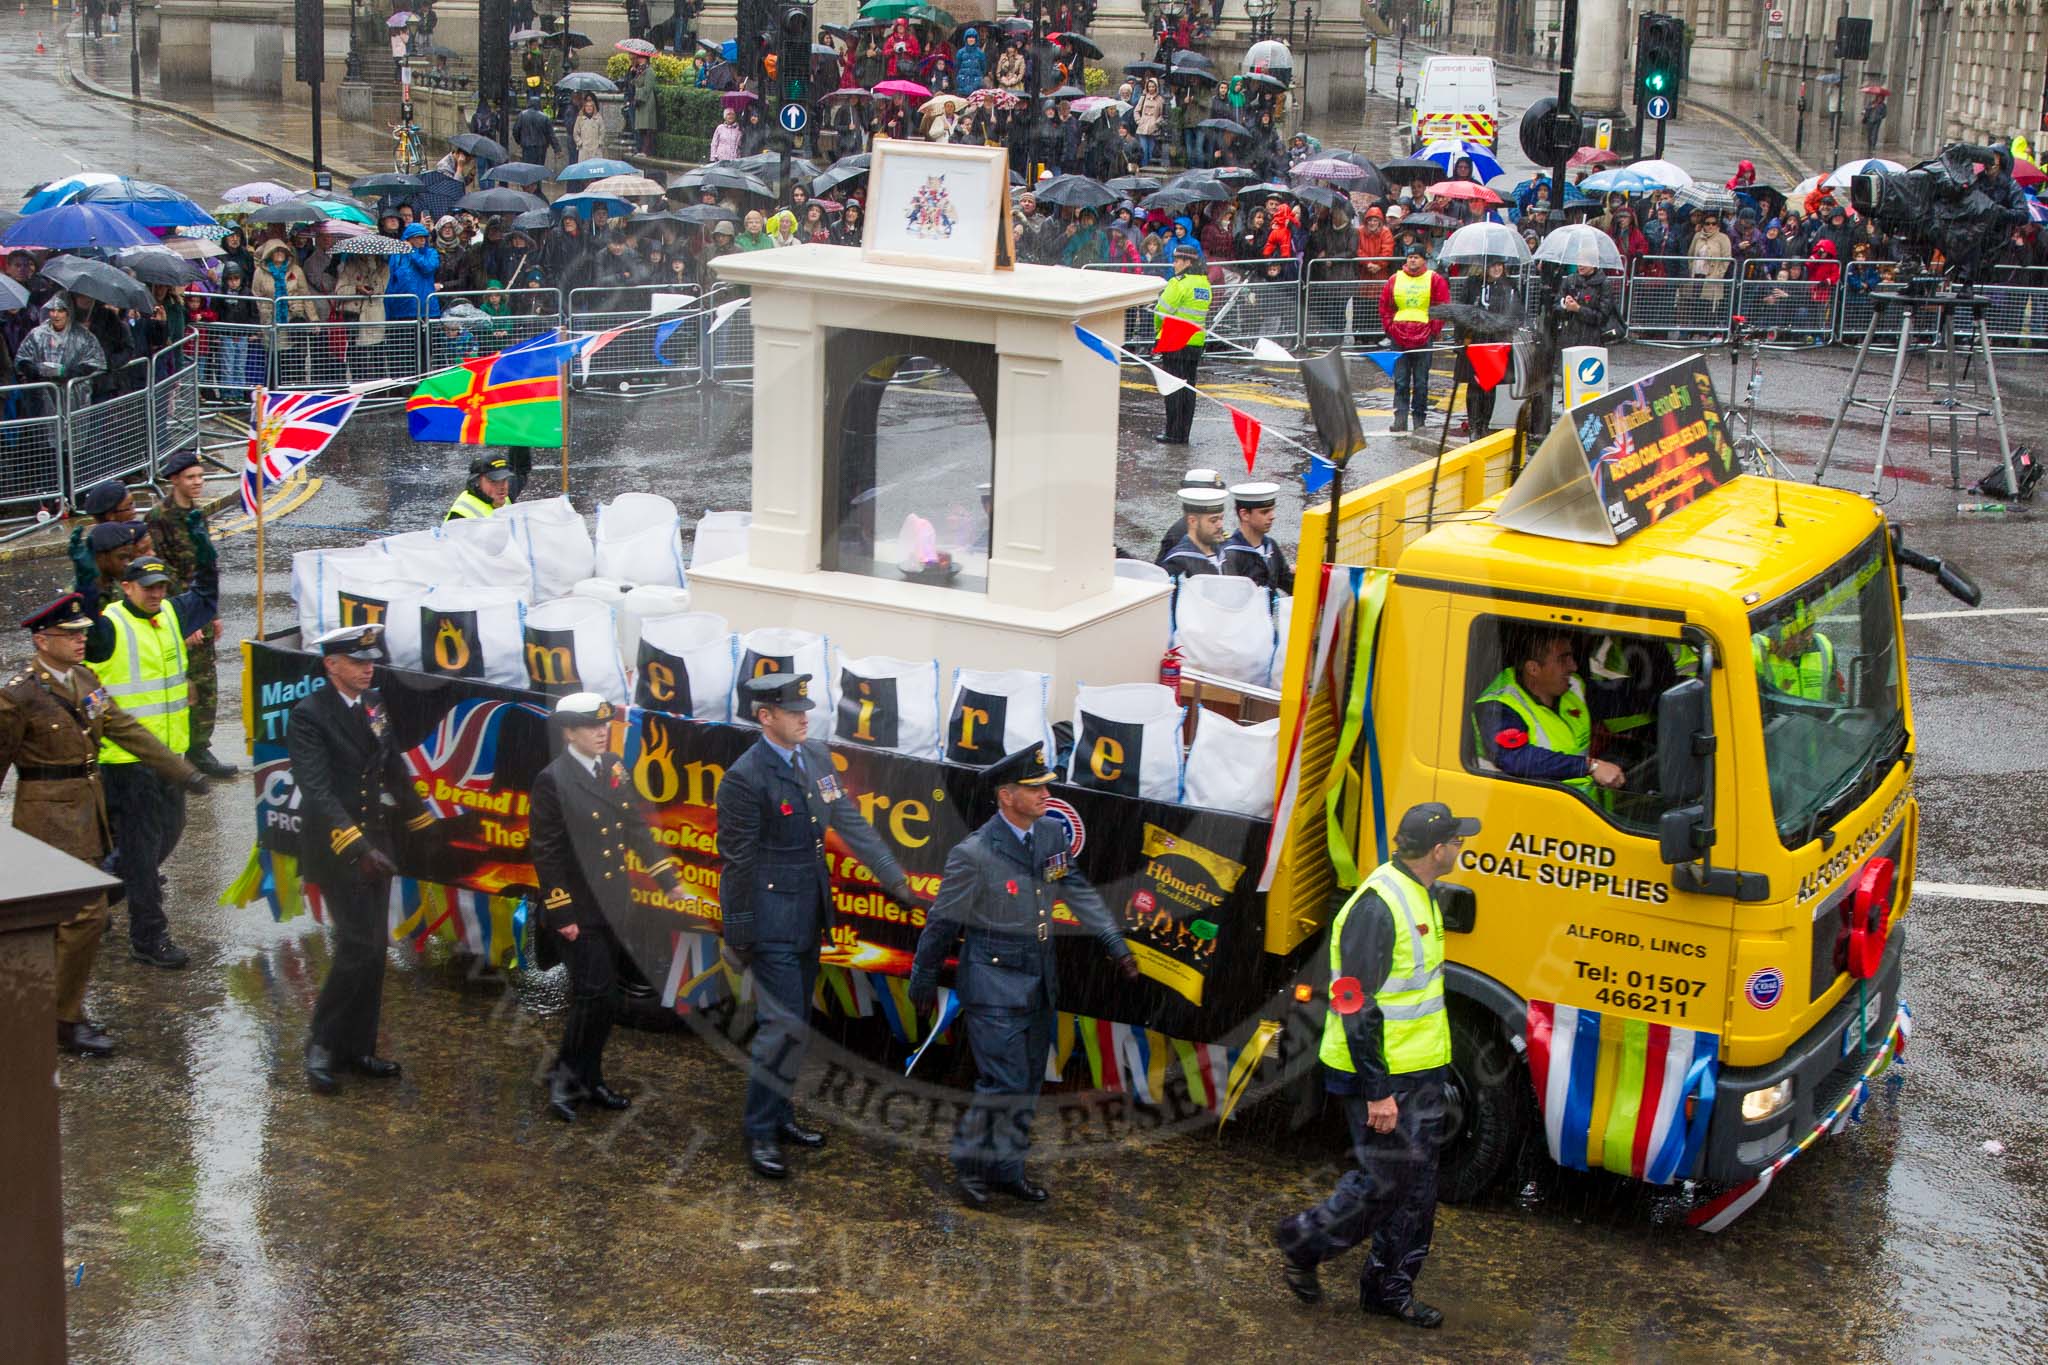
{"points": [[1824, 1067]]}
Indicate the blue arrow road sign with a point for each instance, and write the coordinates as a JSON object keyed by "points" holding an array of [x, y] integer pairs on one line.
{"points": [[1658, 108], [794, 117]]}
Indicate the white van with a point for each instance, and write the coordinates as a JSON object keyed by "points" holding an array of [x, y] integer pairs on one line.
{"points": [[1456, 98]]}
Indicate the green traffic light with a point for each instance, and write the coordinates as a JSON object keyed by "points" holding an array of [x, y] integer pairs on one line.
{"points": [[1656, 81]]}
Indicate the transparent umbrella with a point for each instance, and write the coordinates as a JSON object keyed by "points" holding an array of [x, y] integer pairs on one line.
{"points": [[1484, 241], [1578, 244]]}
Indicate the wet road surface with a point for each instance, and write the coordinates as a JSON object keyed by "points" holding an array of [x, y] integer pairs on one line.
{"points": [[218, 1211]]}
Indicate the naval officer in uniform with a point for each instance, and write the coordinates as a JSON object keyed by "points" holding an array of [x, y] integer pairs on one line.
{"points": [[1251, 552], [1200, 548], [995, 904], [774, 805]]}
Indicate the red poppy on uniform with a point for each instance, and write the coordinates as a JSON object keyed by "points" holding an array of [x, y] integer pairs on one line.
{"points": [[1010, 887], [1512, 739], [788, 809], [1346, 995]]}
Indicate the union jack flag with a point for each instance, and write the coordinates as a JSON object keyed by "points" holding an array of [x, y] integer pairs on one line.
{"points": [[285, 431], [462, 753]]}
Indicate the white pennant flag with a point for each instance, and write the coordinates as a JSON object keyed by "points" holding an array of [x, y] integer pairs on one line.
{"points": [[1265, 348], [724, 311], [1168, 384]]}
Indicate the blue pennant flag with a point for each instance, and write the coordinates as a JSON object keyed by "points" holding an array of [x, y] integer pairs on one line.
{"points": [[1318, 474], [1099, 346], [1384, 359], [661, 336]]}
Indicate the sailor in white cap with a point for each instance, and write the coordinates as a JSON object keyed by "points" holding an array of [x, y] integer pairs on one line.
{"points": [[1194, 478], [1200, 549], [1251, 552]]}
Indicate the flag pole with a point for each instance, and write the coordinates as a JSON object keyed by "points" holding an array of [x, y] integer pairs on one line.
{"points": [[259, 410], [565, 427]]}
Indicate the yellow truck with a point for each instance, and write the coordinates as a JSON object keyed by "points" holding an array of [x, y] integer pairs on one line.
{"points": [[1693, 974]]}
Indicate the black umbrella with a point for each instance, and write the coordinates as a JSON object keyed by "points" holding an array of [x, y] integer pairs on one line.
{"points": [[1187, 57], [1429, 222], [1232, 175], [387, 185], [576, 36], [1412, 168], [1267, 189], [1261, 78], [500, 201], [837, 31], [1323, 197], [515, 173], [763, 164], [588, 82], [157, 265], [100, 281], [706, 214], [286, 212], [1144, 69], [844, 173], [1085, 46], [438, 193], [478, 146], [720, 76], [1076, 192], [1200, 189], [723, 178], [1065, 92], [1223, 125], [1172, 199], [1133, 185], [1189, 75], [533, 220]]}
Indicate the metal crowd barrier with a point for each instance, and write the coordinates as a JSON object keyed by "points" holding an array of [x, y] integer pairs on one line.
{"points": [[107, 425], [1779, 295], [1666, 302], [1340, 303], [633, 354], [31, 449]]}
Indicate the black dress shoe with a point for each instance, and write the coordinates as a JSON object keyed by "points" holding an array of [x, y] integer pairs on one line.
{"points": [[1022, 1188], [766, 1159], [972, 1191], [1413, 1312], [796, 1135], [1301, 1280], [376, 1068], [204, 760], [636, 990], [320, 1071], [162, 953], [604, 1097], [85, 1039], [562, 1097]]}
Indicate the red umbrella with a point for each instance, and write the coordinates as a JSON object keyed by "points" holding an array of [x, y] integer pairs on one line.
{"points": [[2027, 173], [1873, 90], [1464, 189], [1592, 156]]}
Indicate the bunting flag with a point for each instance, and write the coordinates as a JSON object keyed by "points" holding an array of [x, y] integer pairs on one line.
{"points": [[1167, 384], [1384, 359], [1096, 344], [1489, 361], [1318, 474], [1065, 1032], [947, 1010], [405, 909], [1265, 348], [1174, 334], [1141, 1059], [1247, 428], [723, 313], [661, 335], [1614, 1091]]}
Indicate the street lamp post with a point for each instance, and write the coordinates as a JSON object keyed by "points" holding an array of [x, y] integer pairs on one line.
{"points": [[1260, 12]]}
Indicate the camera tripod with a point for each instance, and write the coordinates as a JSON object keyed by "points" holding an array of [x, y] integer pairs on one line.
{"points": [[1948, 400]]}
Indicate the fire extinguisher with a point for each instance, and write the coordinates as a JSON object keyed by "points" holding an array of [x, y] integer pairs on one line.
{"points": [[1169, 668]]}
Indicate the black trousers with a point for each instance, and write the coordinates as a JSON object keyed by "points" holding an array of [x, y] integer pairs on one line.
{"points": [[1180, 407], [784, 978], [593, 1002], [1009, 1047], [352, 996], [1391, 1196], [148, 816], [1478, 401]]}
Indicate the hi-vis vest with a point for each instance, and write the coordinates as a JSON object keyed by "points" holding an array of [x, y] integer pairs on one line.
{"points": [[1186, 297], [1411, 296], [1416, 1033], [1566, 730], [468, 505], [146, 675], [1811, 676]]}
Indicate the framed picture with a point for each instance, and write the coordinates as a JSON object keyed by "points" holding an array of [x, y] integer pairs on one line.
{"points": [[936, 205]]}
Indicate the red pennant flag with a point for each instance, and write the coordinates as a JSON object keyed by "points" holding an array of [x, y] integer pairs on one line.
{"points": [[1174, 335], [1247, 436], [1489, 362]]}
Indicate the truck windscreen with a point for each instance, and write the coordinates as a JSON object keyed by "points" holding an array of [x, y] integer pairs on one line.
{"points": [[1827, 668]]}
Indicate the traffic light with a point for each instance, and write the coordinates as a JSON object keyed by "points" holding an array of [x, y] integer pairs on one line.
{"points": [[793, 40], [1660, 51]]}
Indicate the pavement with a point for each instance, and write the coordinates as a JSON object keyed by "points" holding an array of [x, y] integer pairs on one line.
{"points": [[215, 1210]]}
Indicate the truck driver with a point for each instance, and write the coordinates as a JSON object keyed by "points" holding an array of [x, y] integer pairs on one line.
{"points": [[1533, 719]]}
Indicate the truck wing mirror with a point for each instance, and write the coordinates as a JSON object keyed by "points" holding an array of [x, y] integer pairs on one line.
{"points": [[1683, 834], [1458, 906], [1685, 742]]}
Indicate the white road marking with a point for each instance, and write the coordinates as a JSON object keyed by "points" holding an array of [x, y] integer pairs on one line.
{"points": [[1963, 891], [756, 1243], [1976, 611], [782, 1265], [806, 1289]]}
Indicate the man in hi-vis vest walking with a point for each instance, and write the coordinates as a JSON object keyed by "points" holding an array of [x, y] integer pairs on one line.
{"points": [[1386, 1052]]}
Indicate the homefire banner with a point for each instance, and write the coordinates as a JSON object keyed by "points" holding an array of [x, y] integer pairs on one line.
{"points": [[1174, 875]]}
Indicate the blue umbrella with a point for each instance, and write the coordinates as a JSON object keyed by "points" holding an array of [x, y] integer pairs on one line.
{"points": [[73, 227], [146, 204], [597, 168], [1445, 154], [582, 205], [56, 192], [1617, 180]]}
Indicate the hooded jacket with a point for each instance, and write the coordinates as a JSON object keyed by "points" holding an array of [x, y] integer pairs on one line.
{"points": [[410, 292]]}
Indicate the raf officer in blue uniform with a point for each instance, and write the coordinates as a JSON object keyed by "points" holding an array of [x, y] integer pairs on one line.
{"points": [[996, 905], [774, 805]]}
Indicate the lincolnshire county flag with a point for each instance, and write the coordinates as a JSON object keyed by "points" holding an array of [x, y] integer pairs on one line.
{"points": [[512, 398], [1614, 1090], [285, 431]]}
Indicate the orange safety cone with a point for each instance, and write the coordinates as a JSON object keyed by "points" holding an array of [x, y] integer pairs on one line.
{"points": [[40, 49]]}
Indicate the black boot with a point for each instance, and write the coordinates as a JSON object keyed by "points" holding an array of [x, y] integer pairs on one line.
{"points": [[562, 1096], [160, 953], [85, 1039], [204, 760]]}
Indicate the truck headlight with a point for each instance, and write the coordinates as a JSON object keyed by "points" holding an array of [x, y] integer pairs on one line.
{"points": [[1759, 1105]]}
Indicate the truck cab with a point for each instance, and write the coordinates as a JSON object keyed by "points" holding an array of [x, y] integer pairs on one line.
{"points": [[1456, 98], [1728, 910]]}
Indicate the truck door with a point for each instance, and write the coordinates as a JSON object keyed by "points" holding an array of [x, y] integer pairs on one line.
{"points": [[1574, 903]]}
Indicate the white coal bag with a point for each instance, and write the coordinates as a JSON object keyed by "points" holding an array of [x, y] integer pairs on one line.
{"points": [[885, 703], [1283, 619], [609, 591], [1127, 740], [642, 604], [995, 712], [720, 535], [684, 665], [1140, 570], [1233, 767], [402, 625], [775, 649], [319, 577], [470, 632], [638, 540], [553, 536], [570, 645], [1224, 625], [486, 554]]}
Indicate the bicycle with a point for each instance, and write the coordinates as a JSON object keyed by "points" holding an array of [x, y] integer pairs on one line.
{"points": [[1752, 451], [410, 155]]}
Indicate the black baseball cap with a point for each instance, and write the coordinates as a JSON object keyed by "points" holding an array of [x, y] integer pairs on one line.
{"points": [[490, 467], [789, 691], [147, 570], [1429, 824]]}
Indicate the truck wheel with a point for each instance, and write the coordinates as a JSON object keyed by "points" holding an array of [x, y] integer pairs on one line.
{"points": [[1489, 1107]]}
